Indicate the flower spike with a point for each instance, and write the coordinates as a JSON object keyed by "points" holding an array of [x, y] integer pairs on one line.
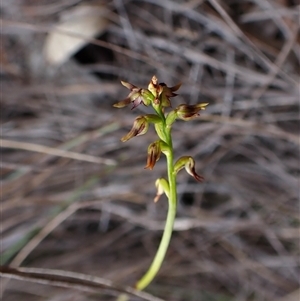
{"points": [[158, 96]]}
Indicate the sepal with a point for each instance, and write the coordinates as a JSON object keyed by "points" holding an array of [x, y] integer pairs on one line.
{"points": [[123, 103], [166, 93], [128, 85]]}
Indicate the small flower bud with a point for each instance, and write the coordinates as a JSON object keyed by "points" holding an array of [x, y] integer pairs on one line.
{"points": [[187, 112], [162, 186], [140, 127], [154, 152], [188, 163]]}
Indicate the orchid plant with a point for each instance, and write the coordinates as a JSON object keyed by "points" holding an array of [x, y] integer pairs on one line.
{"points": [[158, 96]]}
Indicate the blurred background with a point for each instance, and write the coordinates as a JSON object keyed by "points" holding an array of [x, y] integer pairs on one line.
{"points": [[75, 198]]}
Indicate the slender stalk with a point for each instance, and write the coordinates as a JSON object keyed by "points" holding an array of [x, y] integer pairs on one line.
{"points": [[158, 95], [165, 241]]}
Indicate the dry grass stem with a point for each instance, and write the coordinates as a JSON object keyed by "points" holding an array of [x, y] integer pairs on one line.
{"points": [[74, 198]]}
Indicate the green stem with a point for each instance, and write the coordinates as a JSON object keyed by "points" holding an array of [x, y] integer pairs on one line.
{"points": [[162, 249]]}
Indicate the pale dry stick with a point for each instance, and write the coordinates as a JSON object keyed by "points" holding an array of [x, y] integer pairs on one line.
{"points": [[192, 4], [54, 151], [293, 296], [180, 224], [214, 26], [8, 24], [229, 90], [280, 249], [47, 9], [277, 166], [35, 181], [218, 155], [126, 25], [279, 171], [9, 224], [14, 166], [288, 233], [280, 59], [261, 129], [67, 90], [255, 266], [82, 138], [275, 16], [223, 270], [194, 56], [272, 66], [184, 224], [263, 15], [195, 76], [37, 239], [188, 11], [58, 219], [73, 280]]}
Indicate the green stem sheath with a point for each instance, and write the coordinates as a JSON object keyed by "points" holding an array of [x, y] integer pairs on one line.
{"points": [[172, 202]]}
